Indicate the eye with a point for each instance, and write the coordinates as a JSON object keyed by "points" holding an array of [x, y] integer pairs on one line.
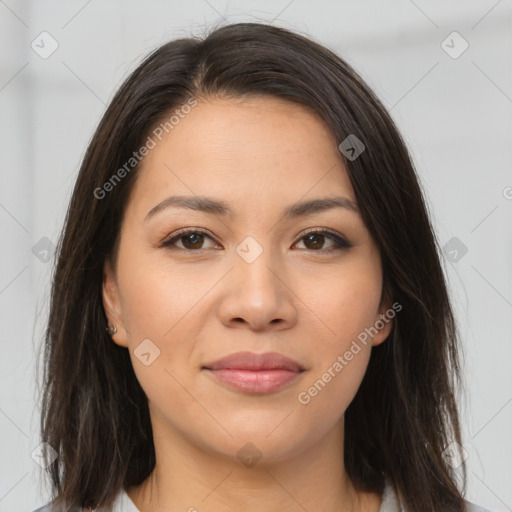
{"points": [[315, 239], [191, 239]]}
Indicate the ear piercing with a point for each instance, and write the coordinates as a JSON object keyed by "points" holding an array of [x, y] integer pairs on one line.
{"points": [[111, 330]]}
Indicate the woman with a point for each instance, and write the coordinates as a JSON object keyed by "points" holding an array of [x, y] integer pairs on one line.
{"points": [[249, 310]]}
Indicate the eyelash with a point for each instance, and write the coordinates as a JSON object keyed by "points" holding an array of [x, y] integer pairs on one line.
{"points": [[341, 243]]}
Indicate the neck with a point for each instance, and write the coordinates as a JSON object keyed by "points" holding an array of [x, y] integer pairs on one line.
{"points": [[191, 478]]}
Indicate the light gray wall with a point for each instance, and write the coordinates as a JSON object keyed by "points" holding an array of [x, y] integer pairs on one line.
{"points": [[455, 114]]}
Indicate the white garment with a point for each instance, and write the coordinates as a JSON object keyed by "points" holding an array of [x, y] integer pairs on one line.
{"points": [[123, 503], [390, 503]]}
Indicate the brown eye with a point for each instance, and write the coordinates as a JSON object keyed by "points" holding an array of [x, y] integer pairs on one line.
{"points": [[191, 240], [315, 240]]}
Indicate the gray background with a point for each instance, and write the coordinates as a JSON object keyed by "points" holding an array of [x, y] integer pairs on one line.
{"points": [[454, 110]]}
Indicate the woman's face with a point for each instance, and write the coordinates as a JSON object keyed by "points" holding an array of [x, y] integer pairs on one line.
{"points": [[254, 279]]}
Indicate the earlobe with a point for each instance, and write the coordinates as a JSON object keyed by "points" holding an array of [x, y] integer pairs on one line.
{"points": [[112, 306], [383, 322], [383, 333]]}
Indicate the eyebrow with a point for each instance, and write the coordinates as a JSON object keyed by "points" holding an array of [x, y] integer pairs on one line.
{"points": [[217, 207]]}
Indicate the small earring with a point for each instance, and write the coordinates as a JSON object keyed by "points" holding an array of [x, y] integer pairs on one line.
{"points": [[111, 330]]}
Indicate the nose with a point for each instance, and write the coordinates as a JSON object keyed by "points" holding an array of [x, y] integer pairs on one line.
{"points": [[258, 294]]}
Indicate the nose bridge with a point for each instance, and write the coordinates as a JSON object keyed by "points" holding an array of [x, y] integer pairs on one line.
{"points": [[255, 264], [258, 294]]}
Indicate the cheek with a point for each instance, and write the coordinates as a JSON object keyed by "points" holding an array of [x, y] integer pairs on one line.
{"points": [[348, 307], [329, 390], [161, 302], [340, 363], [156, 298], [347, 302]]}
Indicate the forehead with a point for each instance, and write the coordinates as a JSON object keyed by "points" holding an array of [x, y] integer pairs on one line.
{"points": [[257, 150]]}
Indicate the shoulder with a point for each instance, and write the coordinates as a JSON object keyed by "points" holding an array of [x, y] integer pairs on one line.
{"points": [[49, 507], [119, 505], [471, 507], [122, 503], [45, 508], [391, 502]]}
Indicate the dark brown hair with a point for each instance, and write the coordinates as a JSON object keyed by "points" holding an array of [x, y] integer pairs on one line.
{"points": [[404, 415]]}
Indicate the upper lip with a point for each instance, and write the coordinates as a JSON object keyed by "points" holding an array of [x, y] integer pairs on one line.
{"points": [[252, 361]]}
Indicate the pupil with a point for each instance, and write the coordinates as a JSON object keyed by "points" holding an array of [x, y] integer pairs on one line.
{"points": [[193, 237], [313, 236]]}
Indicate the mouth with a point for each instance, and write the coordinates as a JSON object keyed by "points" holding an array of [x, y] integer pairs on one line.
{"points": [[255, 373], [255, 381]]}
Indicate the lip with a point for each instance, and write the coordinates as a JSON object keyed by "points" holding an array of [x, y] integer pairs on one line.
{"points": [[255, 373], [253, 361]]}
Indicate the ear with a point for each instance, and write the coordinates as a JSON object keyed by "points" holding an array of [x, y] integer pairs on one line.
{"points": [[112, 304], [384, 318]]}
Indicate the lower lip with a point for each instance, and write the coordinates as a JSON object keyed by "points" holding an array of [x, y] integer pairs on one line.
{"points": [[252, 381]]}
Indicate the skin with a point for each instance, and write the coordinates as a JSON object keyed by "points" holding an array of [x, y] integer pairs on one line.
{"points": [[259, 155]]}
